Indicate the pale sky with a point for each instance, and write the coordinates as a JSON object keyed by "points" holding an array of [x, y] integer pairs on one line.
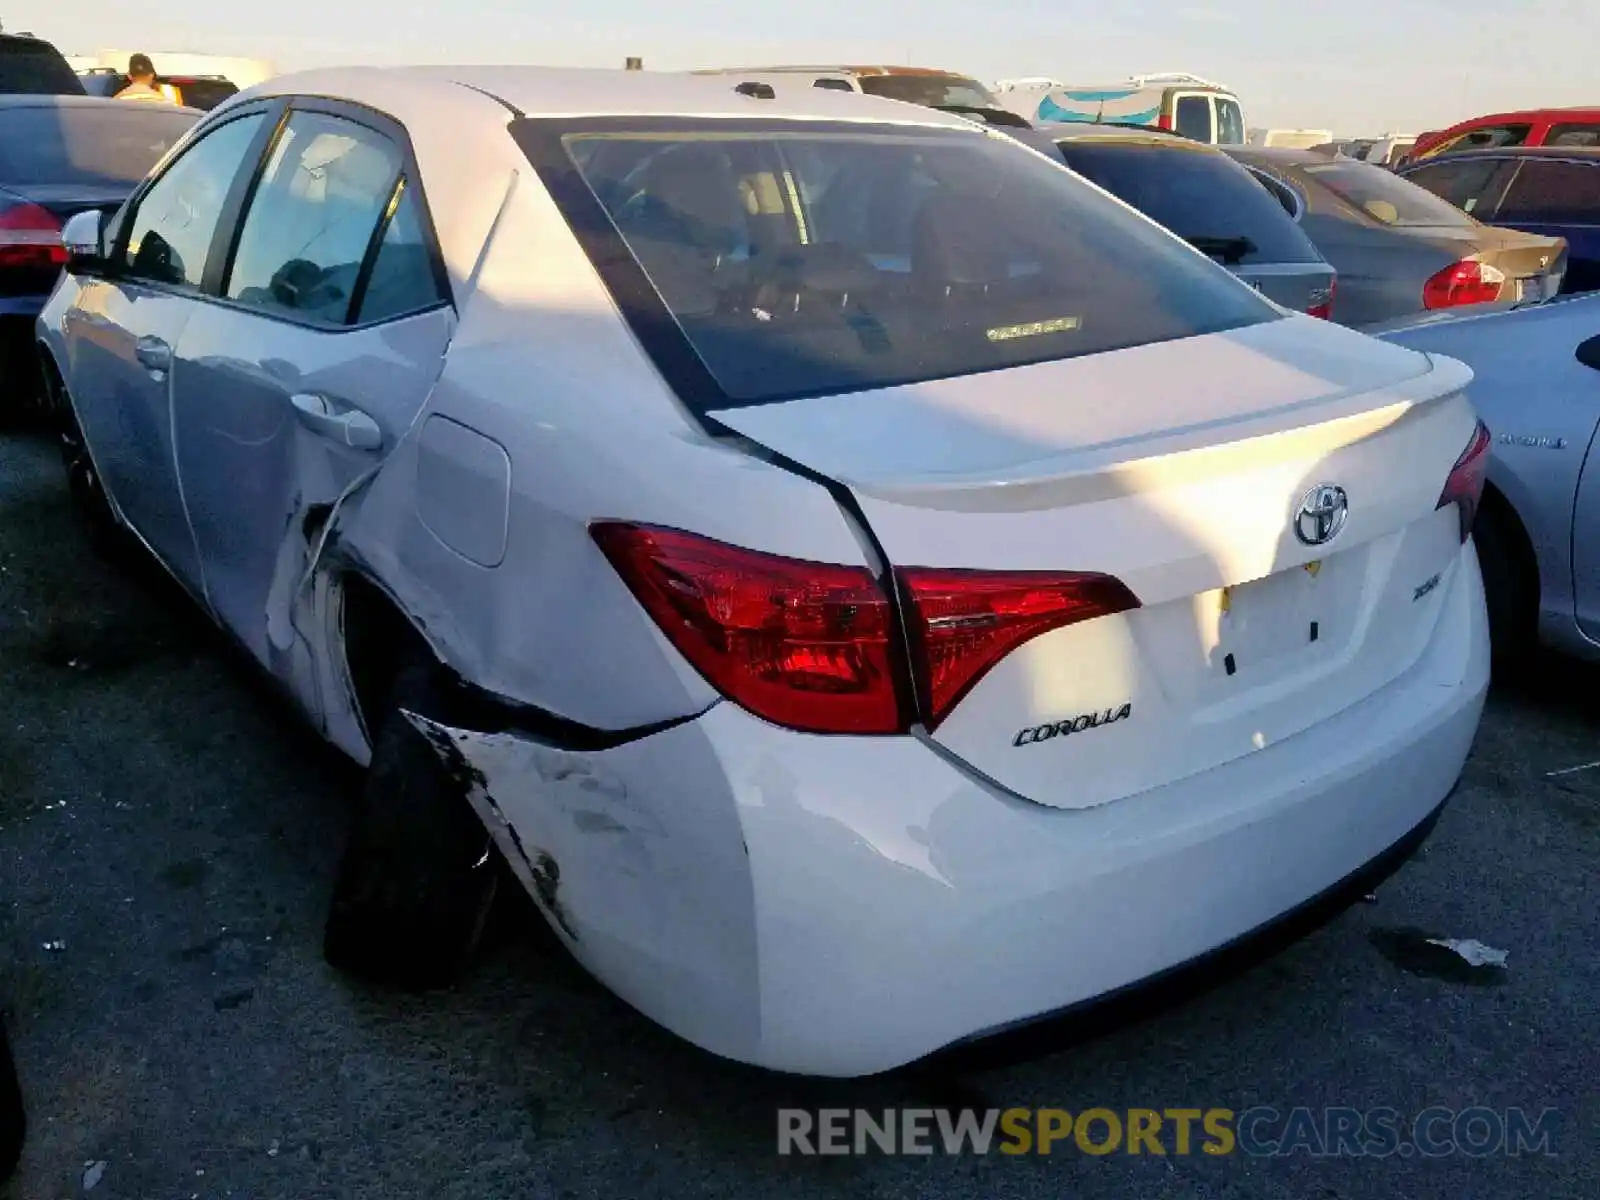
{"points": [[1353, 66]]}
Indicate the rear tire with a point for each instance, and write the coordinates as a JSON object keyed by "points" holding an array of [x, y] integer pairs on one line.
{"points": [[419, 874], [90, 503], [1509, 593]]}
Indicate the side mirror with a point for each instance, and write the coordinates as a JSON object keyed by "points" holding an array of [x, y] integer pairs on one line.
{"points": [[1589, 352], [83, 236]]}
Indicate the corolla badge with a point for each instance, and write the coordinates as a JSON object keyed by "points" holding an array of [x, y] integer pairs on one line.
{"points": [[1323, 511]]}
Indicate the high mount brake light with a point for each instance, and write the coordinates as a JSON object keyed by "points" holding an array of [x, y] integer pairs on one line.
{"points": [[814, 646], [1464, 487]]}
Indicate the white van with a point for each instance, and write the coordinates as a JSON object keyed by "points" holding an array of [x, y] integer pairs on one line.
{"points": [[1290, 139], [1185, 104]]}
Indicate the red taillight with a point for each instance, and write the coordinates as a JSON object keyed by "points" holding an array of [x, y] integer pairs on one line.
{"points": [[1465, 282], [805, 645], [1322, 301], [812, 646], [963, 622], [30, 237], [1164, 121], [1464, 488]]}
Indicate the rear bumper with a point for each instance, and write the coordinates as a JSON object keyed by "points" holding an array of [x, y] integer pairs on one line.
{"points": [[843, 906]]}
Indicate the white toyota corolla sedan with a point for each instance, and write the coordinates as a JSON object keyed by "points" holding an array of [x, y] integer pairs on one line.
{"points": [[870, 586]]}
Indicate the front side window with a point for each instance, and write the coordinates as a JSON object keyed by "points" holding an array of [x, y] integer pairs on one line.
{"points": [[327, 184], [170, 237], [1193, 117], [1469, 184], [1384, 196], [1553, 192], [1586, 134], [834, 258]]}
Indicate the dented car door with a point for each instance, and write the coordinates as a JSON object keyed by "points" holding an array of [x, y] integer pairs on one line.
{"points": [[297, 387]]}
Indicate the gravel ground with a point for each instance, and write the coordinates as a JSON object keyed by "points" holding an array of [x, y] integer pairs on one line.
{"points": [[168, 834]]}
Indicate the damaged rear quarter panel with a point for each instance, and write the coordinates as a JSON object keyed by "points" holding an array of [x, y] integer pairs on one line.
{"points": [[636, 857], [543, 365]]}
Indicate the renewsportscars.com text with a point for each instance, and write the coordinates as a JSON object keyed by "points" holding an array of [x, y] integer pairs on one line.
{"points": [[1261, 1132]]}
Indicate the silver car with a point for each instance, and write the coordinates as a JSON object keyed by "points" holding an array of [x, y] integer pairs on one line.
{"points": [[1398, 248], [1537, 386]]}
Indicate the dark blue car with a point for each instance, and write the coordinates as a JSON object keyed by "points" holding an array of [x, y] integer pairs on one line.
{"points": [[1553, 190]]}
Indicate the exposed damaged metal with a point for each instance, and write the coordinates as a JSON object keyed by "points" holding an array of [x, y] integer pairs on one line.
{"points": [[539, 871]]}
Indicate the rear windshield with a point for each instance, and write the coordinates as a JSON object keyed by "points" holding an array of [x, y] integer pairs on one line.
{"points": [[109, 145], [801, 260], [1384, 196], [1201, 195], [932, 91], [29, 67]]}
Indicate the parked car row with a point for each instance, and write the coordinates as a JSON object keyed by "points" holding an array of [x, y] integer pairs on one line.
{"points": [[59, 156], [635, 494]]}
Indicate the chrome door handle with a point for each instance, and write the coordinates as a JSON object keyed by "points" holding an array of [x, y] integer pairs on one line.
{"points": [[154, 355], [351, 426]]}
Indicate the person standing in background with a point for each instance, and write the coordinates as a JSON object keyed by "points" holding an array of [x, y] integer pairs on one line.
{"points": [[142, 82]]}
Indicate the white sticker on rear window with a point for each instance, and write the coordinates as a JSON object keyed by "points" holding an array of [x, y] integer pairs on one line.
{"points": [[1033, 329]]}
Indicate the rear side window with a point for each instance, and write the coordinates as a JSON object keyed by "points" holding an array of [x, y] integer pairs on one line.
{"points": [[820, 259], [1573, 135], [1201, 195], [327, 185], [205, 94], [402, 279], [931, 91], [833, 85], [1554, 193], [1472, 185], [31, 67], [1487, 138], [1230, 122], [1382, 195], [94, 147], [1193, 117]]}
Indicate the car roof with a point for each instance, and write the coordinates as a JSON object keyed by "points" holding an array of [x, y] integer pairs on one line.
{"points": [[1111, 131], [884, 69], [588, 92], [47, 100], [1289, 157]]}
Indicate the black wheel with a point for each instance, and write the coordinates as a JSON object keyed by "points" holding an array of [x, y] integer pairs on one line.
{"points": [[89, 499], [1508, 592], [13, 1124], [419, 874]]}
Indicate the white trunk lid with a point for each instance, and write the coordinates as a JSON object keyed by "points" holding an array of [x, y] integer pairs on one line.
{"points": [[1179, 468]]}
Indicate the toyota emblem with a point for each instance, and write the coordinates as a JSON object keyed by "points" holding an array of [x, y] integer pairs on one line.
{"points": [[1322, 514]]}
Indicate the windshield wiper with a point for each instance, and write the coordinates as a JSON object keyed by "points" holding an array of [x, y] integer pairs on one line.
{"points": [[1228, 250]]}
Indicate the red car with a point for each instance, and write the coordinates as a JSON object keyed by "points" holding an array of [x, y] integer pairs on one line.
{"points": [[1533, 127]]}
